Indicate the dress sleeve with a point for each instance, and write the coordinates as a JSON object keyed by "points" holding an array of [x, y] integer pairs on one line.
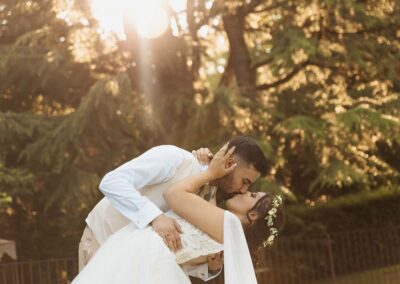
{"points": [[237, 260]]}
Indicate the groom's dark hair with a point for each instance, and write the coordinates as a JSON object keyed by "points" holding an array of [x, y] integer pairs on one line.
{"points": [[248, 150]]}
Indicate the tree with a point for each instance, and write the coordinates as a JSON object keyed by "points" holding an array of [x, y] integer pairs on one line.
{"points": [[315, 82]]}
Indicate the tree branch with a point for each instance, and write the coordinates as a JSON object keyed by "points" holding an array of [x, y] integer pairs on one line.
{"points": [[362, 31], [248, 8], [269, 8], [261, 63], [288, 77], [214, 10], [226, 76]]}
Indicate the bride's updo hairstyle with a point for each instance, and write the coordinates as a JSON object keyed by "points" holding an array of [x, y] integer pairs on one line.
{"points": [[260, 230]]}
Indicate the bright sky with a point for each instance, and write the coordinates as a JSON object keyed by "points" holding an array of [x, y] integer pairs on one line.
{"points": [[148, 16], [151, 21]]}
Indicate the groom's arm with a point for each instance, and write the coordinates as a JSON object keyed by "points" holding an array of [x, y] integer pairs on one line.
{"points": [[201, 271], [121, 185]]}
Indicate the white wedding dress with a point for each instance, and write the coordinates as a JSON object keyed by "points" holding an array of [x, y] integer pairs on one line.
{"points": [[132, 256]]}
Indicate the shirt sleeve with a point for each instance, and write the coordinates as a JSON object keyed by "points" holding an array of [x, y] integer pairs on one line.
{"points": [[121, 185]]}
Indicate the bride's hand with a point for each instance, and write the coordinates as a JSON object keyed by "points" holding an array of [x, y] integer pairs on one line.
{"points": [[219, 166]]}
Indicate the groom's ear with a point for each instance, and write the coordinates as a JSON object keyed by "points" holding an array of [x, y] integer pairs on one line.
{"points": [[230, 162]]}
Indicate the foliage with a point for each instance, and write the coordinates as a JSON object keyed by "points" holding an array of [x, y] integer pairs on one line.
{"points": [[315, 82], [363, 210]]}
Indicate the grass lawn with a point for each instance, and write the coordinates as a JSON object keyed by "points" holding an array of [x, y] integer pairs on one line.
{"points": [[386, 275]]}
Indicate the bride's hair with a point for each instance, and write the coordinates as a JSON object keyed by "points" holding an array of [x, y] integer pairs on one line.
{"points": [[259, 231]]}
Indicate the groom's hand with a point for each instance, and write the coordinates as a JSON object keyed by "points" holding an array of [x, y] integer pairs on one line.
{"points": [[169, 231], [203, 155]]}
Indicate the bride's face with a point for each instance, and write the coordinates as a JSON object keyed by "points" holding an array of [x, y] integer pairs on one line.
{"points": [[240, 204]]}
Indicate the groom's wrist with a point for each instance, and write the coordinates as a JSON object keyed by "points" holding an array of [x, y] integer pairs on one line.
{"points": [[213, 273]]}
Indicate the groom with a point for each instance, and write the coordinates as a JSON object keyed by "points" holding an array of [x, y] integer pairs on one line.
{"points": [[134, 193]]}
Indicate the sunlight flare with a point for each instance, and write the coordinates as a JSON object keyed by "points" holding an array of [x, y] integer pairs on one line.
{"points": [[148, 17]]}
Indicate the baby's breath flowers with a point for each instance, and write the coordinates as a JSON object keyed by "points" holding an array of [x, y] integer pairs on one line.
{"points": [[273, 232]]}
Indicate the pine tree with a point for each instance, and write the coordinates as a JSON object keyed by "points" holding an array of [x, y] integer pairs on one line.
{"points": [[315, 82]]}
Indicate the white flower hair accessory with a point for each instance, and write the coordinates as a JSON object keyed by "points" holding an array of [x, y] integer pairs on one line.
{"points": [[273, 232]]}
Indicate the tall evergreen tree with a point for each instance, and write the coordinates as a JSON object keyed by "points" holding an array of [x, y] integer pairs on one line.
{"points": [[315, 81]]}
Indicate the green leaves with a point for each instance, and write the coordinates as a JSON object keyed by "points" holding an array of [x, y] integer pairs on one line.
{"points": [[360, 118], [4, 200], [337, 175], [17, 128], [322, 93], [308, 128], [14, 180]]}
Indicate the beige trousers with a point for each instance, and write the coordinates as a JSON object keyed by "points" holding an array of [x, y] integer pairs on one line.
{"points": [[87, 247]]}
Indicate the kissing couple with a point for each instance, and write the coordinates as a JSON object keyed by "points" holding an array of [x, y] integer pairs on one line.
{"points": [[159, 221]]}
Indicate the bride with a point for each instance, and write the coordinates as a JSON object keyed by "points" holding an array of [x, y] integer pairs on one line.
{"points": [[141, 256]]}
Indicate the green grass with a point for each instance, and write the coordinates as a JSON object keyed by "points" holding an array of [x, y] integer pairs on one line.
{"points": [[386, 275]]}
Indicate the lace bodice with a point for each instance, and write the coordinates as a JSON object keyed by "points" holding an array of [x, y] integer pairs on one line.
{"points": [[195, 242]]}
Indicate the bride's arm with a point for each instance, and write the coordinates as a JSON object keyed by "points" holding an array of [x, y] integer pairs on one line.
{"points": [[181, 198]]}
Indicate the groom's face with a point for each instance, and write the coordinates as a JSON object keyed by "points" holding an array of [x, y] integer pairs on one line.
{"points": [[237, 182]]}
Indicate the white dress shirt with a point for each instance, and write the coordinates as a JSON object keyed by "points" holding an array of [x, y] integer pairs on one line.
{"points": [[121, 185]]}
